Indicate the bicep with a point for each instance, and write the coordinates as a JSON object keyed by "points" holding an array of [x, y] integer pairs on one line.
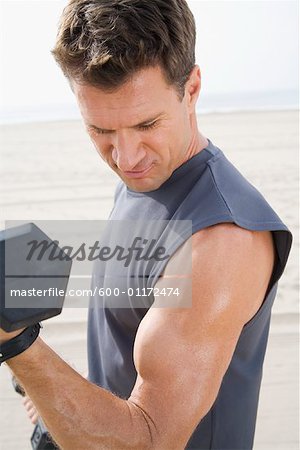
{"points": [[178, 375], [181, 354]]}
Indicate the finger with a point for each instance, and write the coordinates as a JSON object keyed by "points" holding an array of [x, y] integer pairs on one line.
{"points": [[26, 400], [34, 419], [31, 410], [30, 407], [31, 414]]}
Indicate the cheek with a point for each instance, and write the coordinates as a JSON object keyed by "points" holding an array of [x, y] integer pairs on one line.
{"points": [[159, 141], [169, 143]]}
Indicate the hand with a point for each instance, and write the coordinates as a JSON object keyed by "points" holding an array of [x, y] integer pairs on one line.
{"points": [[4, 336], [32, 413]]}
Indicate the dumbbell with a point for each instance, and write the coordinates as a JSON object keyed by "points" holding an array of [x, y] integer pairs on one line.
{"points": [[34, 273]]}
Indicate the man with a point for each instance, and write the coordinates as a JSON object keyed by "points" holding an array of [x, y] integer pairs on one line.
{"points": [[162, 378]]}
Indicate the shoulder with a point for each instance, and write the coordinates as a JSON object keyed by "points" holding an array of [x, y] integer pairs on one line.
{"points": [[231, 239], [224, 243], [230, 268], [228, 243]]}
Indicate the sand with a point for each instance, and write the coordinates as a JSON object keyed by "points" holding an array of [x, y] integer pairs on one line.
{"points": [[51, 171]]}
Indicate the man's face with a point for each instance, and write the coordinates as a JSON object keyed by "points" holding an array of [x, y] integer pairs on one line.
{"points": [[141, 130]]}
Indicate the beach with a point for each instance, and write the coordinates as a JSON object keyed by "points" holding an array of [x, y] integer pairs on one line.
{"points": [[50, 171]]}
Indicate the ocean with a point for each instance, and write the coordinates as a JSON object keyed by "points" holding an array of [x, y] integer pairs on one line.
{"points": [[207, 104]]}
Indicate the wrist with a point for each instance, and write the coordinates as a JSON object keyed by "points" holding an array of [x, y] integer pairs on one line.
{"points": [[30, 357], [5, 337], [19, 343]]}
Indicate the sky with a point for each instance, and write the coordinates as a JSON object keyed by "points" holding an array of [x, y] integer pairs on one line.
{"points": [[247, 51]]}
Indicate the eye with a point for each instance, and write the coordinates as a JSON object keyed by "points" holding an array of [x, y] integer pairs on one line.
{"points": [[98, 131], [149, 126], [102, 131]]}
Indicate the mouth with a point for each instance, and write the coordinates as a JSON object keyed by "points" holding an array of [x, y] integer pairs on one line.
{"points": [[139, 173]]}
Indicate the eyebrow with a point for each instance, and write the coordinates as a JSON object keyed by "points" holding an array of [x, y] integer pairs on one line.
{"points": [[139, 125]]}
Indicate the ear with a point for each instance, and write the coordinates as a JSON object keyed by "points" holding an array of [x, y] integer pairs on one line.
{"points": [[192, 88]]}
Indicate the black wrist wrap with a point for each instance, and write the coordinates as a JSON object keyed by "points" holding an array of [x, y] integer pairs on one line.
{"points": [[19, 343]]}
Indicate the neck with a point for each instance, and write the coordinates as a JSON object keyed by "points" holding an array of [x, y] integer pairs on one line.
{"points": [[198, 141]]}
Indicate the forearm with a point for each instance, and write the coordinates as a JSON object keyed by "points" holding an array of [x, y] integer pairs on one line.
{"points": [[77, 413]]}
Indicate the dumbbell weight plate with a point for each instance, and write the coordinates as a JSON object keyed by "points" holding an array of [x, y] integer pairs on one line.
{"points": [[45, 271]]}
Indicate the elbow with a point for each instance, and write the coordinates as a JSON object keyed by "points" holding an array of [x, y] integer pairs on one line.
{"points": [[145, 435]]}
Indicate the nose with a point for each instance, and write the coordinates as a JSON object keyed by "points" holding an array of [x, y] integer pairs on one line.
{"points": [[128, 152]]}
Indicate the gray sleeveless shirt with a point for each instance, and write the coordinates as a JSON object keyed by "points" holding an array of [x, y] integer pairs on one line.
{"points": [[205, 190]]}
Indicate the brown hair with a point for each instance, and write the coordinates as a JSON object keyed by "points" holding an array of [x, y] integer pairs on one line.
{"points": [[104, 42]]}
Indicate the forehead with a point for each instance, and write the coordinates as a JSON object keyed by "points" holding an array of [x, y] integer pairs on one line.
{"points": [[145, 94]]}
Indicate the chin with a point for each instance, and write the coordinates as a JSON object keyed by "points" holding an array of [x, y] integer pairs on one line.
{"points": [[143, 185]]}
